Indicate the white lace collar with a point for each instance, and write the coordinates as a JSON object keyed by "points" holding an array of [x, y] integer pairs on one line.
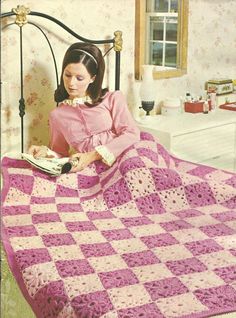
{"points": [[77, 101]]}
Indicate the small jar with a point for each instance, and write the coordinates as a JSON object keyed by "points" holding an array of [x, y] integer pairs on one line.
{"points": [[205, 107]]}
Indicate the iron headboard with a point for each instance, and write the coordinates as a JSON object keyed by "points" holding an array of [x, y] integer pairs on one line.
{"points": [[21, 14]]}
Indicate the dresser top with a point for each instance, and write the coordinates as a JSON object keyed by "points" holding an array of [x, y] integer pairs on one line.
{"points": [[188, 122]]}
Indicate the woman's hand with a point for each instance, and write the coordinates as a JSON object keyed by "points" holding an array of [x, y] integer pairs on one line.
{"points": [[83, 160], [39, 152]]}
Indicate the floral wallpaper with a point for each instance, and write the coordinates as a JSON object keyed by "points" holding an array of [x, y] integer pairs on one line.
{"points": [[211, 53]]}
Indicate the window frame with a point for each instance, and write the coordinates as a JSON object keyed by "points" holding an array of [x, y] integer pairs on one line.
{"points": [[140, 41], [164, 41]]}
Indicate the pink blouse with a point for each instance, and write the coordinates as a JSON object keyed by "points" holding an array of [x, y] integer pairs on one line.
{"points": [[108, 127]]}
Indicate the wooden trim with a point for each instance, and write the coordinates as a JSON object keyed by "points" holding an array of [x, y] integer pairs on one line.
{"points": [[168, 73], [184, 33], [140, 8], [140, 40]]}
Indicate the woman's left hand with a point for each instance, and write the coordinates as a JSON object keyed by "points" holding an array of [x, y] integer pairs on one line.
{"points": [[83, 160]]}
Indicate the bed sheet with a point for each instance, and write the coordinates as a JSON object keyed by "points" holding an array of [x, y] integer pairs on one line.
{"points": [[153, 236]]}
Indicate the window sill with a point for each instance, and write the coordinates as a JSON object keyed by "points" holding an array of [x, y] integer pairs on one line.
{"points": [[168, 73]]}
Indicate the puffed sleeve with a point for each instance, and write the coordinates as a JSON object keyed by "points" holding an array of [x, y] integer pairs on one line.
{"points": [[58, 143], [124, 127]]}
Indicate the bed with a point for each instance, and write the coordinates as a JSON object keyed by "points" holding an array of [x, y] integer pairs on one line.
{"points": [[152, 236]]}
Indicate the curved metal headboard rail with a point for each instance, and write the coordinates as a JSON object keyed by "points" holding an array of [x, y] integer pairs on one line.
{"points": [[46, 16], [21, 13]]}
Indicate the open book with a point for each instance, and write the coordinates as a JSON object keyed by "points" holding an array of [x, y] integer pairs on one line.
{"points": [[52, 166]]}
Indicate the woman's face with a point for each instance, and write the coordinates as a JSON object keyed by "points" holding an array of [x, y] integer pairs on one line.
{"points": [[76, 80]]}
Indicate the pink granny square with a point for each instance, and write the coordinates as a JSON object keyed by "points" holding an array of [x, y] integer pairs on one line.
{"points": [[217, 298], [150, 154], [186, 266], [94, 304], [51, 299], [45, 218], [15, 209], [201, 171], [62, 191], [24, 230], [199, 194], [165, 288], [119, 234], [175, 225], [136, 221], [232, 181], [80, 226], [203, 247], [41, 200], [85, 182], [225, 216], [117, 194], [131, 163], [100, 215], [140, 258], [69, 268], [29, 257], [217, 230], [230, 203], [228, 273], [58, 239], [23, 183], [165, 178], [163, 239], [188, 213], [233, 251], [118, 278], [150, 204], [144, 311], [69, 207]]}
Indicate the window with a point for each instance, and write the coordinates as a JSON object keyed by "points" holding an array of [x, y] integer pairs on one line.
{"points": [[161, 37]]}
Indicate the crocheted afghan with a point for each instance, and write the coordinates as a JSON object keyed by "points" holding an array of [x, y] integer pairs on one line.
{"points": [[152, 236]]}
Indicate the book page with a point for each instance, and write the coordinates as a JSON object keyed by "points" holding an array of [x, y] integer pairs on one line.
{"points": [[52, 166]]}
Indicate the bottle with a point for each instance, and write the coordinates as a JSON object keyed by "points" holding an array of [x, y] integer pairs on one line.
{"points": [[213, 100], [205, 107], [188, 97]]}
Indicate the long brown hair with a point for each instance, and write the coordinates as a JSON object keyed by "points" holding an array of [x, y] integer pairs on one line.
{"points": [[94, 64]]}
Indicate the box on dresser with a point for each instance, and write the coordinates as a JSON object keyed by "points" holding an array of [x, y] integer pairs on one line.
{"points": [[229, 106], [195, 107], [220, 86]]}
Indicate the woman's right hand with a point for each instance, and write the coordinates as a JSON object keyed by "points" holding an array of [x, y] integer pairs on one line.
{"points": [[38, 151]]}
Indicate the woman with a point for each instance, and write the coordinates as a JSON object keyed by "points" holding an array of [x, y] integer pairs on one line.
{"points": [[94, 122]]}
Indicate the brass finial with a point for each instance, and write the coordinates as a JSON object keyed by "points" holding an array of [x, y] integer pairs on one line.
{"points": [[118, 41], [21, 12]]}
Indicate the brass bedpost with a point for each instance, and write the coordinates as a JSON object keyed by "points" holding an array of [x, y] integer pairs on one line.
{"points": [[21, 15], [118, 42]]}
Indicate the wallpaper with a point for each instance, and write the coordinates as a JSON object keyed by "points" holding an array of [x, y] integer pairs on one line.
{"points": [[211, 53]]}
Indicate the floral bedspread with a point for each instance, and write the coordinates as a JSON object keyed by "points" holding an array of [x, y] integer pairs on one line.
{"points": [[152, 236]]}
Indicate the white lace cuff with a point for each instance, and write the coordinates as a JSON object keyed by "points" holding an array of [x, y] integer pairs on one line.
{"points": [[107, 156]]}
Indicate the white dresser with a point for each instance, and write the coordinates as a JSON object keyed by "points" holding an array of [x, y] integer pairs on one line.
{"points": [[202, 138]]}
